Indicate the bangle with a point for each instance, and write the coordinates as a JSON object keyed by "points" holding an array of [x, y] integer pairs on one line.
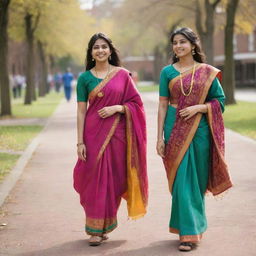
{"points": [[79, 144]]}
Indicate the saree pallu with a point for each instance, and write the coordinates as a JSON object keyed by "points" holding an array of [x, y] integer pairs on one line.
{"points": [[194, 155], [113, 168]]}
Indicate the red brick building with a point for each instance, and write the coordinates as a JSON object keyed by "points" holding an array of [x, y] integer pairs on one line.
{"points": [[244, 54]]}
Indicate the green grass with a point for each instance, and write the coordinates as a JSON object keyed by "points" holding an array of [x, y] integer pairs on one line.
{"points": [[150, 88], [17, 138], [41, 108], [241, 118], [7, 163]]}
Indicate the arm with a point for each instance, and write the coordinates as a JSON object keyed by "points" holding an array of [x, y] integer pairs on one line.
{"points": [[162, 109], [81, 112]]}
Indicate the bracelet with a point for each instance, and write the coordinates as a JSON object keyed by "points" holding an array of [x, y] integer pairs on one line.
{"points": [[79, 144]]}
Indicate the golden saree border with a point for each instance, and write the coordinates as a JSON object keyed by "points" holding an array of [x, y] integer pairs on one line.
{"points": [[191, 238], [186, 238], [135, 204], [174, 80], [100, 226], [178, 158], [109, 136], [96, 91]]}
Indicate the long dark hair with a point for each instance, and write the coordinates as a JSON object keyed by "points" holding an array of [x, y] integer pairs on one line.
{"points": [[115, 60], [194, 40]]}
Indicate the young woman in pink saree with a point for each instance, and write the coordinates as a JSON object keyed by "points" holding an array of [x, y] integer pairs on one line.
{"points": [[191, 136], [111, 141]]}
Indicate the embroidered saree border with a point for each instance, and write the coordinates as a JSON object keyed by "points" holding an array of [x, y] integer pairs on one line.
{"points": [[173, 171], [186, 238], [109, 136], [100, 226], [101, 85], [92, 95]]}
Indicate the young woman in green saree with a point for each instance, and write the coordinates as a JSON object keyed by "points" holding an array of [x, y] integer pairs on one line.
{"points": [[191, 136]]}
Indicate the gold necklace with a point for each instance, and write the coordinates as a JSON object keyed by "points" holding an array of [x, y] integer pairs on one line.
{"points": [[105, 75], [191, 83]]}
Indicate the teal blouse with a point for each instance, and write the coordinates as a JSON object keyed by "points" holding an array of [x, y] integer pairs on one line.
{"points": [[85, 84], [169, 72]]}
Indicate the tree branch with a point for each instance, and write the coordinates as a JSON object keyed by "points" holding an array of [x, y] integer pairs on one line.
{"points": [[214, 4], [36, 21]]}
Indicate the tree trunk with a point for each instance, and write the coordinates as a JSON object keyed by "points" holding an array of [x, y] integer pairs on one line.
{"points": [[43, 70], [158, 63], [168, 47], [30, 72], [229, 64], [206, 34], [4, 74]]}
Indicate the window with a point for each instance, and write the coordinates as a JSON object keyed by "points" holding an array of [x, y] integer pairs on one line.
{"points": [[250, 71]]}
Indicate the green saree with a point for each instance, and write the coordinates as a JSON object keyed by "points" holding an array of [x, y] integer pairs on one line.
{"points": [[188, 149]]}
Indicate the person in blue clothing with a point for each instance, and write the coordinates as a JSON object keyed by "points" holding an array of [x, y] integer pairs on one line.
{"points": [[67, 79]]}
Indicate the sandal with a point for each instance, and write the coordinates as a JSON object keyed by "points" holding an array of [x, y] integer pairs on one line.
{"points": [[105, 237], [95, 240], [186, 246]]}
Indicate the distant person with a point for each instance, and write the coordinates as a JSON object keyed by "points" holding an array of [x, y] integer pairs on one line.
{"points": [[50, 82], [57, 81], [67, 79], [111, 141], [191, 136], [18, 81]]}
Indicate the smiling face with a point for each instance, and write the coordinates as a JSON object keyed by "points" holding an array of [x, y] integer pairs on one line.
{"points": [[101, 51], [181, 46]]}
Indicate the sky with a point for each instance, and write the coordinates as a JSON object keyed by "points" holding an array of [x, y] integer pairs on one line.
{"points": [[86, 4]]}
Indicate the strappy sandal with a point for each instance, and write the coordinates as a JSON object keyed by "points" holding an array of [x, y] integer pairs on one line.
{"points": [[187, 246], [95, 240]]}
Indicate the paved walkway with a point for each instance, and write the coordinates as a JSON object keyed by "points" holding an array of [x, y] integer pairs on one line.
{"points": [[43, 214]]}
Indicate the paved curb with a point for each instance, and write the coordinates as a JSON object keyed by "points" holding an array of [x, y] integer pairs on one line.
{"points": [[10, 180]]}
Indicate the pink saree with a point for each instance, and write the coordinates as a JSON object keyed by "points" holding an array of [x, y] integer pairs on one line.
{"points": [[115, 165]]}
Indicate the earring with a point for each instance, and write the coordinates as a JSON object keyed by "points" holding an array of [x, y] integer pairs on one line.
{"points": [[109, 57], [92, 59], [193, 52]]}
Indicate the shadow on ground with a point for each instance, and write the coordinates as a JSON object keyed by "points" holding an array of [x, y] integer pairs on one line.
{"points": [[159, 248], [78, 247]]}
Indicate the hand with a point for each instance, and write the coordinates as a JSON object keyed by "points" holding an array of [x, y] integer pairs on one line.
{"points": [[160, 147], [188, 112], [107, 111], [81, 152]]}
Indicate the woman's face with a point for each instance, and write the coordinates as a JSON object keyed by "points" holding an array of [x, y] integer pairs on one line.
{"points": [[101, 50], [181, 46]]}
